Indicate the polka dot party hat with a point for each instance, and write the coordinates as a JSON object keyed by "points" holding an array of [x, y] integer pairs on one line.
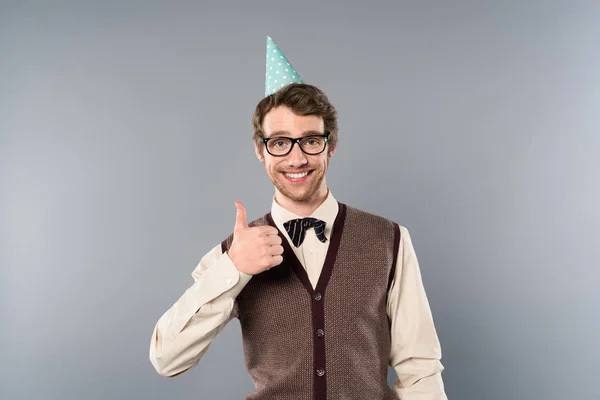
{"points": [[279, 70]]}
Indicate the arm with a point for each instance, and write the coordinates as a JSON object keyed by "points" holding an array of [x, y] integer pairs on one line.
{"points": [[416, 352], [184, 332]]}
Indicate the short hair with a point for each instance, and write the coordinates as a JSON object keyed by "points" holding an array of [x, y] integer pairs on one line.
{"points": [[302, 99]]}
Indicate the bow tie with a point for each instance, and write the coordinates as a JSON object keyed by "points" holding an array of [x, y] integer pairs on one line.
{"points": [[296, 229]]}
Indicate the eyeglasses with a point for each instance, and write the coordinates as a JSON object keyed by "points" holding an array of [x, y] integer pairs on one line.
{"points": [[280, 146]]}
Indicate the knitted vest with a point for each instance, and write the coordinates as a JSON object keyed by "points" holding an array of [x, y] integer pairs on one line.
{"points": [[332, 342]]}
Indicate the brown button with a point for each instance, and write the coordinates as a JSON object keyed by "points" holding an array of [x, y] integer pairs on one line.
{"points": [[320, 333], [320, 371], [317, 296]]}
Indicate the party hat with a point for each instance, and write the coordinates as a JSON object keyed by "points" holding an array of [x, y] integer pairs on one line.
{"points": [[279, 70]]}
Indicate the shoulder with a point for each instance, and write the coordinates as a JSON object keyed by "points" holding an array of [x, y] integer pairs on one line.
{"points": [[402, 236], [355, 212], [382, 227]]}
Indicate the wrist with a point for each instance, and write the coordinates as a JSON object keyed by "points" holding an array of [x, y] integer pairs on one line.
{"points": [[234, 259]]}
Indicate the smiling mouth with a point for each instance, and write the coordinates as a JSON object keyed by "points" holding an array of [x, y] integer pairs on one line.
{"points": [[297, 176]]}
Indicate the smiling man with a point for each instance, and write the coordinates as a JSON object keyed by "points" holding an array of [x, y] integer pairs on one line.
{"points": [[327, 295], [298, 174]]}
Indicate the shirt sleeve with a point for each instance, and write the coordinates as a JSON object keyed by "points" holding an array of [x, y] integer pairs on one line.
{"points": [[184, 332], [415, 349]]}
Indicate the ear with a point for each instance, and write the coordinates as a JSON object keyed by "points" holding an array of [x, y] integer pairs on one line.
{"points": [[257, 151], [330, 152]]}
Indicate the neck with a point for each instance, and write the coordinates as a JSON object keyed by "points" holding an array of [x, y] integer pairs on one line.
{"points": [[302, 208]]}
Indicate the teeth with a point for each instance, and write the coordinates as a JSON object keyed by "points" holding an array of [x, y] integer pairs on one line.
{"points": [[296, 176]]}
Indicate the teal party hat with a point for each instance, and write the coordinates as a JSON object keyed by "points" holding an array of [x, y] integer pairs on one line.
{"points": [[279, 70]]}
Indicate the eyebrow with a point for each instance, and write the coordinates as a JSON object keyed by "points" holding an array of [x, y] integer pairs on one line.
{"points": [[286, 133]]}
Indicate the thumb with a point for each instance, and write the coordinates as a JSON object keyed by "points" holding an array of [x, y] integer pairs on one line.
{"points": [[240, 218]]}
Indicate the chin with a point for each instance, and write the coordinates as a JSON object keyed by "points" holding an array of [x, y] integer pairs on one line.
{"points": [[299, 195]]}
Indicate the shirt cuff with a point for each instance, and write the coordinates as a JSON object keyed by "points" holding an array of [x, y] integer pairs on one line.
{"points": [[231, 273], [220, 279]]}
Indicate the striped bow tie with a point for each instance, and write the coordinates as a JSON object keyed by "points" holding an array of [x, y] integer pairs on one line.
{"points": [[296, 229]]}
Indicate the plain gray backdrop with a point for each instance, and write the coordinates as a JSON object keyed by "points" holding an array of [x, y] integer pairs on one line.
{"points": [[125, 139]]}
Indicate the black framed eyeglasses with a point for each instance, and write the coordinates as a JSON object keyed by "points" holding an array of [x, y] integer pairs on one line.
{"points": [[280, 146]]}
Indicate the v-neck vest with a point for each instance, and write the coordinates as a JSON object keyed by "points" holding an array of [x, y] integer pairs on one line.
{"points": [[330, 342]]}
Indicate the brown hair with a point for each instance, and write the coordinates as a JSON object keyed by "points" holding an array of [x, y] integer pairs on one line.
{"points": [[302, 99]]}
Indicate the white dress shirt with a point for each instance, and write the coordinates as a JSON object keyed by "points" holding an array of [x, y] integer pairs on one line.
{"points": [[184, 332]]}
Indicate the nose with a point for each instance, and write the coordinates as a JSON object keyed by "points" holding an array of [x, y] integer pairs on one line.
{"points": [[296, 157]]}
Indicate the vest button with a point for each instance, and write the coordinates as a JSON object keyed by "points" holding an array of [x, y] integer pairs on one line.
{"points": [[320, 372], [317, 296], [320, 333]]}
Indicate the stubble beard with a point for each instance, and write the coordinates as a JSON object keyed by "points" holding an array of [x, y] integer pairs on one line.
{"points": [[305, 193]]}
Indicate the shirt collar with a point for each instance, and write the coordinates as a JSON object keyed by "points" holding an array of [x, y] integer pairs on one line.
{"points": [[327, 212]]}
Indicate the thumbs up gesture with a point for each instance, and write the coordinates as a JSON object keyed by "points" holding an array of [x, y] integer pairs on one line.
{"points": [[254, 249]]}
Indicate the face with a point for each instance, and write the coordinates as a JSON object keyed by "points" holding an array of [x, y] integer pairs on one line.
{"points": [[282, 121]]}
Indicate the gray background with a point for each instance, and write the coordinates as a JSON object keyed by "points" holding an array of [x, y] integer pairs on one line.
{"points": [[125, 140]]}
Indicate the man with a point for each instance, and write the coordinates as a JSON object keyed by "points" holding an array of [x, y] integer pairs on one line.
{"points": [[327, 295]]}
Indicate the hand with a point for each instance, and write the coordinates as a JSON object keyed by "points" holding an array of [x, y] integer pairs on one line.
{"points": [[254, 249]]}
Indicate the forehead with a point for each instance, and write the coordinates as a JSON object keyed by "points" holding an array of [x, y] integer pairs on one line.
{"points": [[282, 121]]}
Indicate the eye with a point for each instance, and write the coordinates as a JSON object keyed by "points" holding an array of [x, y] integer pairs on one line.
{"points": [[313, 141]]}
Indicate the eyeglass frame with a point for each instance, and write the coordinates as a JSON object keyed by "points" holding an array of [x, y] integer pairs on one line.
{"points": [[325, 136]]}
